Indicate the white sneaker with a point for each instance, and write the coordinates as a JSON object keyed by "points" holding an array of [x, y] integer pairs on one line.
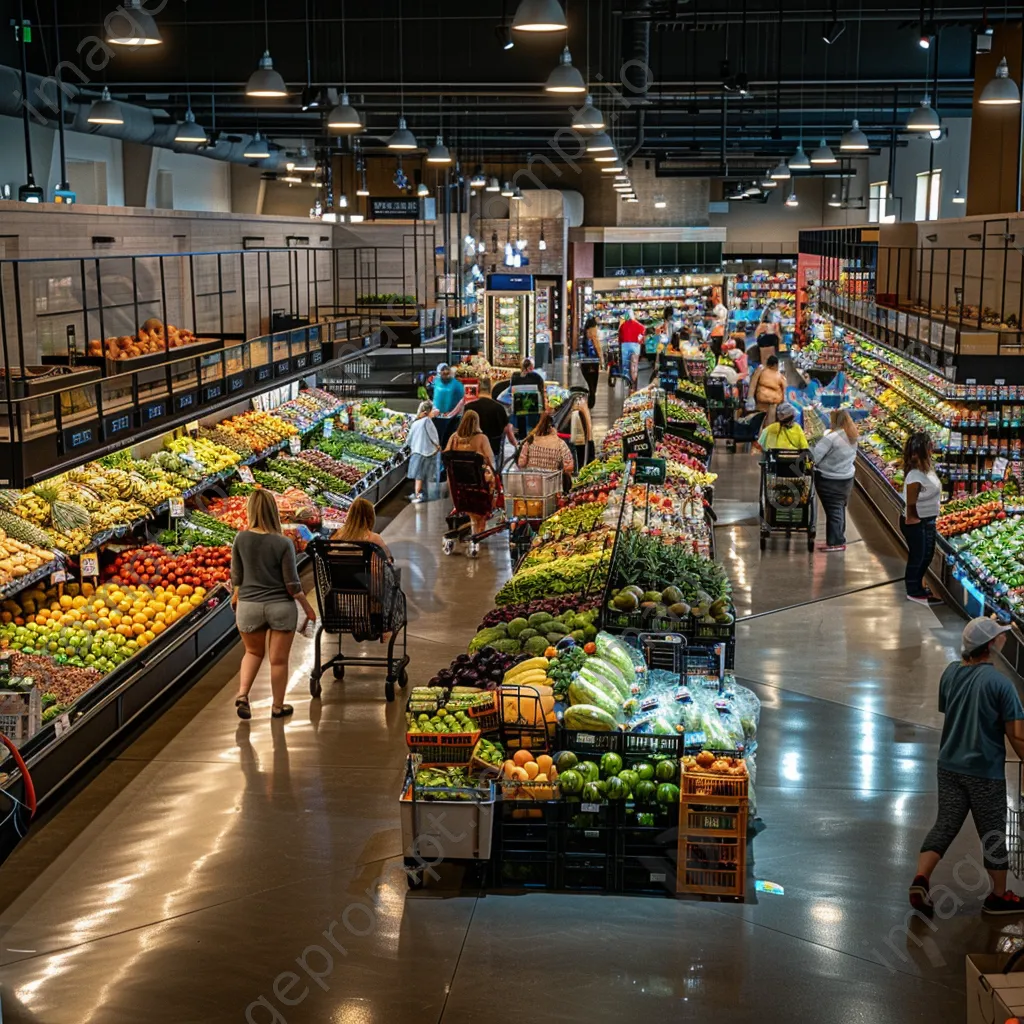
{"points": [[416, 499], [474, 549]]}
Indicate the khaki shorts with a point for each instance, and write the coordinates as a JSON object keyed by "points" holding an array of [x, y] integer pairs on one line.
{"points": [[251, 616]]}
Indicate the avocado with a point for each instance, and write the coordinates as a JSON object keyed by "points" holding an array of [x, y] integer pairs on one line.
{"points": [[680, 608], [672, 595], [634, 589]]}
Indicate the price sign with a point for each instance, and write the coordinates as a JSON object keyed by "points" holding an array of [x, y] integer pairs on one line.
{"points": [[590, 808], [650, 471], [637, 445], [61, 724], [328, 428], [212, 392], [153, 411], [295, 445], [245, 473], [90, 565], [58, 577], [999, 468], [184, 401], [525, 402], [694, 739], [236, 382], [117, 424], [999, 381], [263, 372], [177, 508], [192, 427]]}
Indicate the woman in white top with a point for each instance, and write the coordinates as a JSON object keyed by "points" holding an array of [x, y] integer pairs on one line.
{"points": [[835, 456], [424, 443], [922, 494]]}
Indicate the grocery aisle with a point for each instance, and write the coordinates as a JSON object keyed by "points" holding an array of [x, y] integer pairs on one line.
{"points": [[185, 881]]}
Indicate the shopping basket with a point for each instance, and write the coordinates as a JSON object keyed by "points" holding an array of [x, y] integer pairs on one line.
{"points": [[358, 592], [786, 500], [472, 495]]}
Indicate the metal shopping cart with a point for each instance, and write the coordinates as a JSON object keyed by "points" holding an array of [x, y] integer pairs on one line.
{"points": [[531, 495], [472, 495], [787, 494], [616, 371], [21, 809], [358, 592]]}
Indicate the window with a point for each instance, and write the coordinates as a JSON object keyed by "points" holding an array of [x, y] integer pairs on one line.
{"points": [[877, 212], [929, 188]]}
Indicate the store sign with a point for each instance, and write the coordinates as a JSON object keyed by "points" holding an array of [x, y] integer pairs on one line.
{"points": [[637, 445], [386, 208], [650, 471]]}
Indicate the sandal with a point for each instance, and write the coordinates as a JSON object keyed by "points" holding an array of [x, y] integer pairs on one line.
{"points": [[282, 712], [242, 707]]}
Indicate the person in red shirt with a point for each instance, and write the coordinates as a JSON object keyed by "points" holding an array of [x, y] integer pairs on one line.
{"points": [[631, 334]]}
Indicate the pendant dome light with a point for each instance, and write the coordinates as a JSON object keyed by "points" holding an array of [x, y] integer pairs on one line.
{"points": [[924, 118], [835, 201], [958, 196], [344, 117], [600, 143], [615, 168], [507, 190], [142, 29], [478, 180], [609, 157], [105, 110], [1002, 90], [401, 137], [517, 194], [539, 16], [798, 161], [438, 153], [189, 132], [792, 200], [823, 155], [853, 140], [767, 181], [265, 82], [781, 172], [588, 118], [362, 190], [257, 149], [303, 161], [493, 186], [565, 78]]}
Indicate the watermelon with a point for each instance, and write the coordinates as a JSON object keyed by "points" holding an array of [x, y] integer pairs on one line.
{"points": [[613, 651], [571, 781], [643, 768], [588, 718], [616, 788], [583, 692], [645, 791], [598, 670], [565, 759], [589, 771], [591, 794], [630, 778], [668, 794], [611, 764], [665, 771]]}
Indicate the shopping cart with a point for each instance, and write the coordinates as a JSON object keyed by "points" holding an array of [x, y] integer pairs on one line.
{"points": [[531, 495], [358, 592], [724, 400], [787, 494], [1015, 817], [472, 494], [21, 809], [616, 371], [696, 368]]}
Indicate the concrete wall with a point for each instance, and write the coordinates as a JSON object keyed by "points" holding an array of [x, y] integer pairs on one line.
{"points": [[772, 227]]}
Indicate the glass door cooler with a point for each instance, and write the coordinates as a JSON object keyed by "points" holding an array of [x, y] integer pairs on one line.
{"points": [[510, 322]]}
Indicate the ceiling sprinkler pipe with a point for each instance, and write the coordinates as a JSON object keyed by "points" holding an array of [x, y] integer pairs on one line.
{"points": [[636, 54]]}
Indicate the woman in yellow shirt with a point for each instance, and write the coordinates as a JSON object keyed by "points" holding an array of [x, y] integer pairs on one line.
{"points": [[785, 432]]}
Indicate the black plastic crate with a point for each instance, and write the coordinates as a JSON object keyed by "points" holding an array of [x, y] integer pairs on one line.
{"points": [[590, 872], [652, 875], [645, 746], [524, 869], [527, 825], [588, 746], [650, 821]]}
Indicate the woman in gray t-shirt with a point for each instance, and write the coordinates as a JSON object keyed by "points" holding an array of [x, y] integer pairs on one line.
{"points": [[266, 586]]}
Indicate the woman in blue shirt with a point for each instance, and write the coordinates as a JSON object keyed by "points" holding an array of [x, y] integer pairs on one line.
{"points": [[981, 707]]}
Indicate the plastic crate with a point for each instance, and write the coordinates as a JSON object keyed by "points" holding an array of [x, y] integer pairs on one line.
{"points": [[523, 723], [644, 746], [704, 787], [487, 717], [428, 827], [443, 748], [528, 825], [586, 872], [591, 744], [712, 866], [646, 874], [588, 828], [639, 821], [701, 820], [524, 869], [718, 631]]}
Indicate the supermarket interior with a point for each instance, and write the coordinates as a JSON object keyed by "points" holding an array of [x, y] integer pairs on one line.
{"points": [[551, 472]]}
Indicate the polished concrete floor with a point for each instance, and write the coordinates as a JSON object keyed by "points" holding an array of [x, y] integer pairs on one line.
{"points": [[224, 871]]}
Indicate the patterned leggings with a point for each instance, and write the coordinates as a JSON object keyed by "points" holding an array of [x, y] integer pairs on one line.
{"points": [[985, 799]]}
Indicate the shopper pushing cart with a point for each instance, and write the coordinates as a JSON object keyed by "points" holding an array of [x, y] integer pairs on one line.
{"points": [[786, 496]]}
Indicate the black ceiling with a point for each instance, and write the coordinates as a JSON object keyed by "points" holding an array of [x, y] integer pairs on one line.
{"points": [[451, 68]]}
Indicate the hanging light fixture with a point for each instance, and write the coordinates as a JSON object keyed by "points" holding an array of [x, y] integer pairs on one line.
{"points": [[292, 179], [752, 189], [344, 117], [924, 118], [542, 244], [659, 203], [565, 78], [615, 168], [1002, 90], [540, 16], [343, 201], [767, 181], [303, 161], [798, 161], [493, 186], [823, 154], [478, 180], [189, 131], [781, 172], [588, 118], [609, 157], [422, 191], [362, 190], [265, 81], [143, 29], [853, 139], [105, 110], [834, 200], [517, 194], [958, 196], [402, 138], [257, 148], [600, 143], [792, 200], [507, 190], [438, 153]]}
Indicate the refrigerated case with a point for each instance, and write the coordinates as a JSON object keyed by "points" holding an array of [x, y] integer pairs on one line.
{"points": [[510, 319]]}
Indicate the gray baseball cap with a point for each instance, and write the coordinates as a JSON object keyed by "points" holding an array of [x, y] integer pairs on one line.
{"points": [[784, 412], [979, 632]]}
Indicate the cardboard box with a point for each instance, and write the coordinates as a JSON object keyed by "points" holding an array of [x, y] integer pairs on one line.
{"points": [[992, 996]]}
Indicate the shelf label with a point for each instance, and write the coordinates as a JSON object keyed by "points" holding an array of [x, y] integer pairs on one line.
{"points": [[295, 445], [971, 380], [153, 411], [245, 474], [117, 424], [89, 565], [316, 358], [212, 392], [176, 506], [264, 373], [328, 428], [999, 468], [282, 367], [590, 808], [184, 401], [236, 382], [61, 724], [637, 444], [192, 427], [58, 577], [650, 471], [301, 362]]}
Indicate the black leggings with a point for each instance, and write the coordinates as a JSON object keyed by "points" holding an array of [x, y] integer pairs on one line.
{"points": [[985, 799], [920, 538]]}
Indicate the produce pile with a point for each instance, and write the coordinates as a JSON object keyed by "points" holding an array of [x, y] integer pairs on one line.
{"points": [[373, 418], [149, 339]]}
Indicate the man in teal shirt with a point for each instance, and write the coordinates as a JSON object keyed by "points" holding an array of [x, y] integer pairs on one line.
{"points": [[449, 400], [982, 709]]}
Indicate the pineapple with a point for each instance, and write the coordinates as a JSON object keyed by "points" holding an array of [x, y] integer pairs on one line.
{"points": [[26, 532], [65, 516]]}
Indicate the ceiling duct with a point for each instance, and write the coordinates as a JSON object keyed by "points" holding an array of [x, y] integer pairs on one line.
{"points": [[636, 57]]}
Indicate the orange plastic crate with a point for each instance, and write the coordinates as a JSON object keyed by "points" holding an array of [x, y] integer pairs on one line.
{"points": [[724, 789], [703, 820], [712, 866], [443, 748]]}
